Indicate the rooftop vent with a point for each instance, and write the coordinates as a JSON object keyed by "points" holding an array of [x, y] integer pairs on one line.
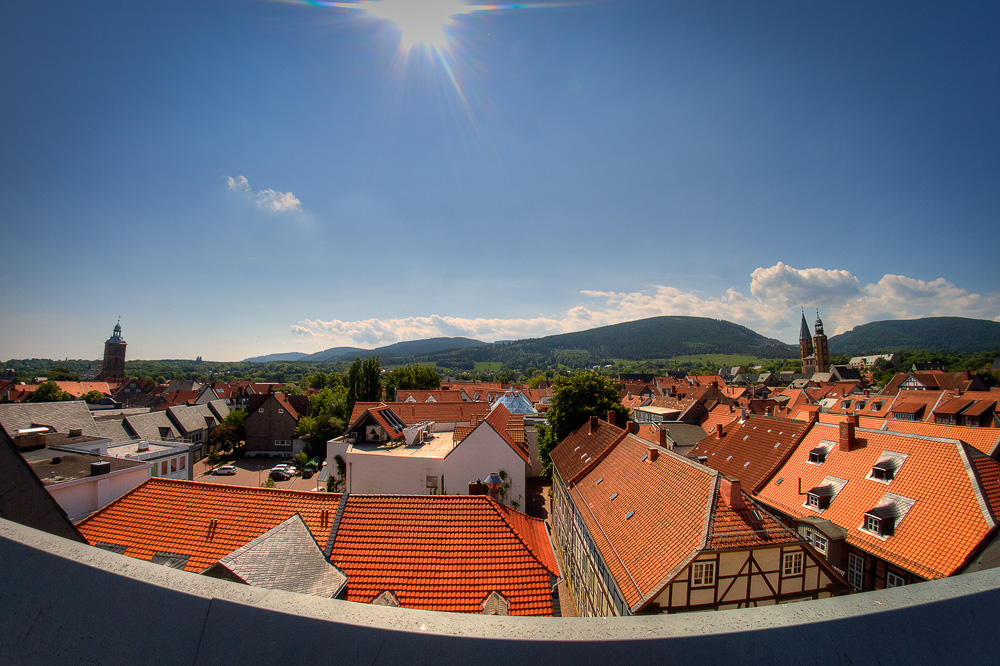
{"points": [[100, 467]]}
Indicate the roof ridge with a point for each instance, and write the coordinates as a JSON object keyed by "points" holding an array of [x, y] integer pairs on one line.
{"points": [[976, 481], [504, 513], [706, 533]]}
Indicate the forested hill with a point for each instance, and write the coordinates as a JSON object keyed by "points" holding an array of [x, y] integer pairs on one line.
{"points": [[397, 350], [654, 338], [945, 333], [284, 356]]}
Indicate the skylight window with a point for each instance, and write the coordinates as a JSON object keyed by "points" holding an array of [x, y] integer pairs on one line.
{"points": [[614, 495], [645, 456], [629, 515]]}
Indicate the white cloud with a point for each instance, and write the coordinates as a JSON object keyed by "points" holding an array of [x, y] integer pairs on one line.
{"points": [[269, 200], [770, 308]]}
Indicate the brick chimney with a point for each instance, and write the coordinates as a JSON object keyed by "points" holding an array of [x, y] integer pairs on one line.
{"points": [[847, 439], [663, 438], [719, 434], [813, 417], [654, 453], [632, 427], [731, 492], [611, 416], [593, 424]]}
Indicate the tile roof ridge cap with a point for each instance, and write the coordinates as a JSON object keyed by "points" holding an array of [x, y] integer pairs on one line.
{"points": [[707, 530], [504, 512], [976, 483]]}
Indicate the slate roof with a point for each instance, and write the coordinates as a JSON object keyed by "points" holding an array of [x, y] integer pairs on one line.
{"points": [[649, 518], [286, 557], [433, 552], [61, 416], [751, 451], [950, 516], [152, 426]]}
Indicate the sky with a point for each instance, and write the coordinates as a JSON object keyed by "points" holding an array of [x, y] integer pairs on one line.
{"points": [[242, 177]]}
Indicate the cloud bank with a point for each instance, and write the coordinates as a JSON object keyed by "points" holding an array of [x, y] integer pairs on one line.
{"points": [[269, 200], [770, 307]]}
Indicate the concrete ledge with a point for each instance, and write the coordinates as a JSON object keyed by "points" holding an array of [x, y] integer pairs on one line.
{"points": [[64, 602]]}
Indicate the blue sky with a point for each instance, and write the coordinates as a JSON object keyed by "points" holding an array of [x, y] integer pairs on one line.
{"points": [[242, 177]]}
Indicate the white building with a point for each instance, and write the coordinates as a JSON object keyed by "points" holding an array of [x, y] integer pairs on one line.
{"points": [[384, 456]]}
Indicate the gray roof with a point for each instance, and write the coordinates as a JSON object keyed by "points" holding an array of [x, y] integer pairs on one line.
{"points": [[220, 408], [287, 557], [61, 416], [147, 426], [114, 429], [188, 418]]}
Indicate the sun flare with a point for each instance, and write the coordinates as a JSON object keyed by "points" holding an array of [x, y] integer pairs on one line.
{"points": [[420, 22]]}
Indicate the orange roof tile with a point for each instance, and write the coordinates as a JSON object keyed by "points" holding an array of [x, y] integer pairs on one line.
{"points": [[433, 552], [946, 523]]}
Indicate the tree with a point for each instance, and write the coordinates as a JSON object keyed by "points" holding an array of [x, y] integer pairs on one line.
{"points": [[412, 377], [230, 432], [93, 397], [327, 419], [49, 392], [364, 382], [575, 399]]}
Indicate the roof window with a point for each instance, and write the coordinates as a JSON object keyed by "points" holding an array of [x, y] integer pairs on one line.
{"points": [[884, 518], [614, 495], [887, 466], [629, 515]]}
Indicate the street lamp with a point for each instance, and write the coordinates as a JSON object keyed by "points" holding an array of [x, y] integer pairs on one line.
{"points": [[493, 482]]}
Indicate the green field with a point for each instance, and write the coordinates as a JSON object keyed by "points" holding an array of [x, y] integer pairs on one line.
{"points": [[488, 366]]}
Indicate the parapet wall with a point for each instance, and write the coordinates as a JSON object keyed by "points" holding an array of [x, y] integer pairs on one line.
{"points": [[63, 602]]}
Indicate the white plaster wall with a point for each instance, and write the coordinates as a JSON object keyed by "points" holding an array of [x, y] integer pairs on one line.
{"points": [[391, 474], [482, 452], [82, 497]]}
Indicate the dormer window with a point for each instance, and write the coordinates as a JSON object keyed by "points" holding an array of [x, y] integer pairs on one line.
{"points": [[884, 519], [882, 526], [883, 472], [817, 456], [819, 497]]}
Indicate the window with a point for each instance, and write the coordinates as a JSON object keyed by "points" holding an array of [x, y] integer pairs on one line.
{"points": [[792, 564], [163, 467], [432, 482], [183, 463], [855, 570], [280, 410], [883, 472], [260, 410], [819, 541], [873, 523], [702, 574], [894, 580], [173, 465]]}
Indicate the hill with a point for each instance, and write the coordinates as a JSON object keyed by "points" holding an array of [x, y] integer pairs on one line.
{"points": [[396, 350], [644, 339], [937, 333], [286, 356]]}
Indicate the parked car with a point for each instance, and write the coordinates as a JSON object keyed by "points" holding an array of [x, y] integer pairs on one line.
{"points": [[224, 470], [279, 474]]}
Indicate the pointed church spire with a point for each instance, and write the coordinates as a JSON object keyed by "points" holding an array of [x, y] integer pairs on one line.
{"points": [[804, 333]]}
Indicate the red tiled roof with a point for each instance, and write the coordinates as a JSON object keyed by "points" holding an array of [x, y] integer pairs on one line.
{"points": [[946, 522], [412, 413], [751, 451], [509, 426], [582, 447], [433, 552], [650, 516]]}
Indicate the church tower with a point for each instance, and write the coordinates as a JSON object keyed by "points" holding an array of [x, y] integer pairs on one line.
{"points": [[806, 347], [822, 350], [114, 356]]}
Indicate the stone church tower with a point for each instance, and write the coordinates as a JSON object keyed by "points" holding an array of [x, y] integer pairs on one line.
{"points": [[814, 351], [114, 356]]}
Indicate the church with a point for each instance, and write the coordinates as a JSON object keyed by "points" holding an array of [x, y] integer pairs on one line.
{"points": [[813, 350], [113, 366]]}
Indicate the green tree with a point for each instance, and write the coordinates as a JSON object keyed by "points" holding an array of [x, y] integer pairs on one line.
{"points": [[49, 392], [412, 377], [93, 397], [230, 432], [327, 419], [575, 399], [364, 382]]}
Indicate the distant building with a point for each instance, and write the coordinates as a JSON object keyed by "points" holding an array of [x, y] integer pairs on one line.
{"points": [[814, 350]]}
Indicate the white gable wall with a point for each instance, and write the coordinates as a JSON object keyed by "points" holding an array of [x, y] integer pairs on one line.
{"points": [[389, 474], [482, 452]]}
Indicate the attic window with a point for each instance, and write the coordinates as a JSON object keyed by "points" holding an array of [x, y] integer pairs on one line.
{"points": [[819, 497], [629, 515], [887, 466], [113, 547], [614, 495], [757, 515], [172, 560], [645, 456], [818, 455], [599, 480], [883, 472]]}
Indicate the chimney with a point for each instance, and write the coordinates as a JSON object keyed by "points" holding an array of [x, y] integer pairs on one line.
{"points": [[718, 432], [663, 438], [99, 468], [633, 427], [731, 493], [142, 446], [813, 417], [847, 439], [75, 432], [611, 416], [654, 453], [593, 424]]}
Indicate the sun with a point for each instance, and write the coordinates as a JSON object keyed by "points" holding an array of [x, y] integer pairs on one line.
{"points": [[420, 22]]}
